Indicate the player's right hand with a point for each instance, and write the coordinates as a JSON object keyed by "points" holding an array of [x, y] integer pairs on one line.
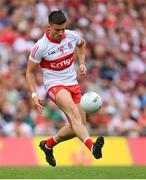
{"points": [[37, 104]]}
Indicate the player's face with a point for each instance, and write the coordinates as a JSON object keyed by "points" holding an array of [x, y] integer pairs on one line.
{"points": [[57, 31]]}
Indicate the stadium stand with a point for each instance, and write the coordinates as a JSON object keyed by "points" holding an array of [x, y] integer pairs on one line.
{"points": [[116, 61]]}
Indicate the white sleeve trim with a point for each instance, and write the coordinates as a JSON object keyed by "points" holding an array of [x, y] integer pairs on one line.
{"points": [[34, 60]]}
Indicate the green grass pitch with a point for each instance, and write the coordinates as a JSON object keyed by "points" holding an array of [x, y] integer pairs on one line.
{"points": [[72, 172]]}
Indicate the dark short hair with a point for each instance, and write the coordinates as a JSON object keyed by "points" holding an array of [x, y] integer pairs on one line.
{"points": [[57, 17]]}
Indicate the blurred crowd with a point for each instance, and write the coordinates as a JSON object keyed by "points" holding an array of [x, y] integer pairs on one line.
{"points": [[115, 31]]}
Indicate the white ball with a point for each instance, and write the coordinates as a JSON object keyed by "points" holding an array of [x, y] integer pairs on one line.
{"points": [[91, 102]]}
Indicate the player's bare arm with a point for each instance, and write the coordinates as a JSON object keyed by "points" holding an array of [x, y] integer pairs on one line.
{"points": [[30, 79], [81, 51]]}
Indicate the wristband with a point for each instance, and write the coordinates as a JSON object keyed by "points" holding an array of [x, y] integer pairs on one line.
{"points": [[34, 94]]}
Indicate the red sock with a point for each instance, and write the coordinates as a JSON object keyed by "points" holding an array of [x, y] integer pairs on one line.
{"points": [[89, 143], [51, 142]]}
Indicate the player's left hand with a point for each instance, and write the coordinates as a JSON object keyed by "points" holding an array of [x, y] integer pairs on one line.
{"points": [[83, 70]]}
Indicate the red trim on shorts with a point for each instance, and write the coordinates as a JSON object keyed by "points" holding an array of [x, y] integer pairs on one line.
{"points": [[74, 90]]}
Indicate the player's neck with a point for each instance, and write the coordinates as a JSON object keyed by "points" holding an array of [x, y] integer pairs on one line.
{"points": [[52, 39]]}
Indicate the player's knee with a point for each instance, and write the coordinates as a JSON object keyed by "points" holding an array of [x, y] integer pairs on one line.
{"points": [[75, 119], [74, 115], [73, 111]]}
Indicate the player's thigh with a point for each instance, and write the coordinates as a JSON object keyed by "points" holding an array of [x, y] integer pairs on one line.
{"points": [[82, 113], [65, 102]]}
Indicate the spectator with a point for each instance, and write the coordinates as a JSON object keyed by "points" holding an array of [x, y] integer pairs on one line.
{"points": [[17, 128], [123, 125], [142, 121]]}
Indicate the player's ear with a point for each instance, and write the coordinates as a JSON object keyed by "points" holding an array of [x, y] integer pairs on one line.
{"points": [[49, 27]]}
